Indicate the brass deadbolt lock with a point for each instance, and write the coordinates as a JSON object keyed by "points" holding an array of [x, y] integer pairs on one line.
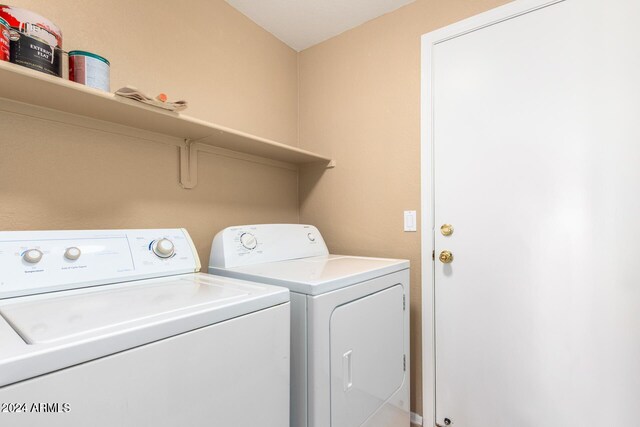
{"points": [[446, 257], [446, 229]]}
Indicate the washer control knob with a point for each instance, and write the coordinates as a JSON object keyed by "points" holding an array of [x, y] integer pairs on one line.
{"points": [[249, 241], [311, 237], [163, 248], [32, 256], [72, 253]]}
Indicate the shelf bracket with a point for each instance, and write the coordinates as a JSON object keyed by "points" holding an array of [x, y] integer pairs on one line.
{"points": [[189, 164], [189, 161]]}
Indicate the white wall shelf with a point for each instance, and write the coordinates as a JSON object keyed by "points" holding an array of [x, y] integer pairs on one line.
{"points": [[38, 90]]}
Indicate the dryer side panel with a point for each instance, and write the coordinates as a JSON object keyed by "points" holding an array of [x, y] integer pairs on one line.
{"points": [[298, 360]]}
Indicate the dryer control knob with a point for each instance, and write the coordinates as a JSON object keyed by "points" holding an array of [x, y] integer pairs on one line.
{"points": [[311, 237], [249, 241], [163, 248], [32, 256], [72, 253]]}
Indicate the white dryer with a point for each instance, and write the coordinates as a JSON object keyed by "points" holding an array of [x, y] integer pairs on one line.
{"points": [[349, 322], [117, 328]]}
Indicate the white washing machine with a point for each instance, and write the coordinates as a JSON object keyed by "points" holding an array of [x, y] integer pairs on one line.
{"points": [[116, 328], [349, 322]]}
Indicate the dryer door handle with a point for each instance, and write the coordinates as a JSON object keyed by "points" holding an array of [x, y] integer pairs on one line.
{"points": [[347, 372]]}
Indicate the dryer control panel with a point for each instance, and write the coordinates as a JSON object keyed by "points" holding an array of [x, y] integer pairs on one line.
{"points": [[254, 244], [34, 262]]}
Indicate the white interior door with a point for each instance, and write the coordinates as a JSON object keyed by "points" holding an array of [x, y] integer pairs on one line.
{"points": [[536, 153]]}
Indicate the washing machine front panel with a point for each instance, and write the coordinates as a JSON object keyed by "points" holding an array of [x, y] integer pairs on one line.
{"points": [[367, 355], [234, 373]]}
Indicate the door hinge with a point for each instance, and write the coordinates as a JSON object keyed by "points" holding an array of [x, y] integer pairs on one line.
{"points": [[404, 362], [404, 302], [433, 255]]}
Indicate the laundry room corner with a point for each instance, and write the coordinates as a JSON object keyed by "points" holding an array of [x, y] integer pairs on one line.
{"points": [[319, 213], [360, 103]]}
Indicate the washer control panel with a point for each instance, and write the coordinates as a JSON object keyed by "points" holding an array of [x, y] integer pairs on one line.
{"points": [[254, 244], [34, 262]]}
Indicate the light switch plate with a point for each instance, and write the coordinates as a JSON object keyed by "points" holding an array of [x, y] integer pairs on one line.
{"points": [[410, 223]]}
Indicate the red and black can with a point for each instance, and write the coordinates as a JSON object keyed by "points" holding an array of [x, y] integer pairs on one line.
{"points": [[4, 40], [35, 41]]}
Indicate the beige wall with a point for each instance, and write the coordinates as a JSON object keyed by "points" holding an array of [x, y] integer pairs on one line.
{"points": [[55, 176], [230, 70], [360, 104]]}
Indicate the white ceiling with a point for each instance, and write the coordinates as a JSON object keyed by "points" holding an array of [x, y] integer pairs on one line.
{"points": [[303, 23]]}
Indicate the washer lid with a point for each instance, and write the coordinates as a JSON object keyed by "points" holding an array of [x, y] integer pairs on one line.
{"points": [[316, 275], [64, 317], [47, 332]]}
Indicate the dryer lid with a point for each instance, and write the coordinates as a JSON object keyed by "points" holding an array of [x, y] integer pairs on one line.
{"points": [[316, 275]]}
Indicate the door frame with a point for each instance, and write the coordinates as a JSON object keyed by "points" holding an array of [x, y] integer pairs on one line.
{"points": [[429, 41]]}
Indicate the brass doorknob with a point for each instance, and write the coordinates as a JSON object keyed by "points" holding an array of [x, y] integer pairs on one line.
{"points": [[446, 229], [446, 257]]}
